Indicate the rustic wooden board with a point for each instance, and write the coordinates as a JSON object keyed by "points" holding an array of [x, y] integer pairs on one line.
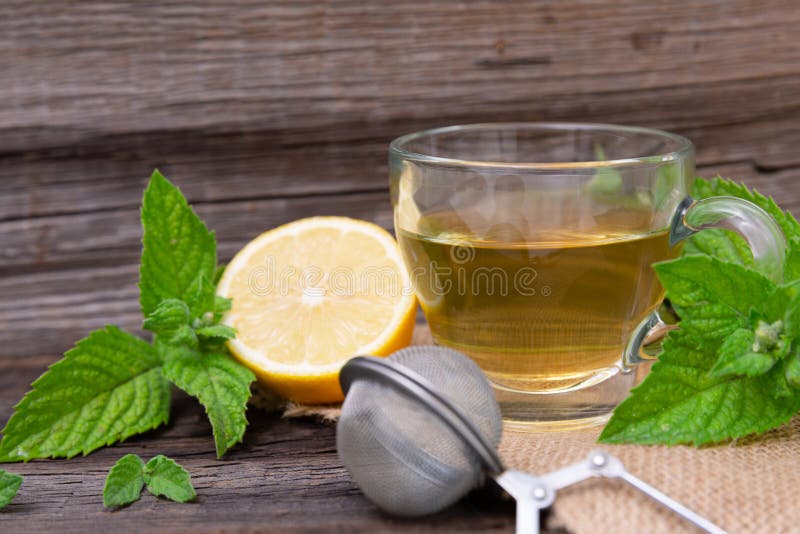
{"points": [[266, 112], [261, 112]]}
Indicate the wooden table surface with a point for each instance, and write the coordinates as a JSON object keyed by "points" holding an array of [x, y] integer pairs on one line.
{"points": [[264, 112]]}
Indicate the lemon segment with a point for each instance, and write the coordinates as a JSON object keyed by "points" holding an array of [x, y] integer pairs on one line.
{"points": [[310, 295]]}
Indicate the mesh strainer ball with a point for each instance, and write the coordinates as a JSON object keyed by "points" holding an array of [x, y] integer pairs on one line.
{"points": [[417, 429]]}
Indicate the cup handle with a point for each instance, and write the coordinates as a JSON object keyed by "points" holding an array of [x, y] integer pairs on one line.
{"points": [[756, 226]]}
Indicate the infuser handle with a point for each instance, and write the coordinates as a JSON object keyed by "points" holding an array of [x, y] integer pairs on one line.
{"points": [[603, 464]]}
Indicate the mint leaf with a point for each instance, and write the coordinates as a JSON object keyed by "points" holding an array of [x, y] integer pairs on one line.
{"points": [[217, 332], [221, 305], [792, 370], [165, 478], [171, 323], [201, 296], [106, 389], [178, 248], [680, 402], [9, 486], [124, 482], [791, 269], [168, 317], [736, 356], [221, 384], [713, 298]]}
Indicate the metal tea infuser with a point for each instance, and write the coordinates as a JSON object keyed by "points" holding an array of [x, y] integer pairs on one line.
{"points": [[420, 428]]}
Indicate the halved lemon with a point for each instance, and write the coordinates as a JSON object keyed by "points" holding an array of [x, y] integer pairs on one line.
{"points": [[310, 295]]}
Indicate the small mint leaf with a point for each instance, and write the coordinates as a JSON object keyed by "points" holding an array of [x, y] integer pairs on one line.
{"points": [[177, 246], [218, 332], [779, 386], [221, 384], [9, 486], [743, 364], [738, 344], [106, 389], [168, 317], [124, 482], [165, 478], [792, 370], [201, 297], [221, 305], [185, 335]]}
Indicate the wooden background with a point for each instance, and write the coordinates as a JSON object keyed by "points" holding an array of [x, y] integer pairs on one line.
{"points": [[265, 111]]}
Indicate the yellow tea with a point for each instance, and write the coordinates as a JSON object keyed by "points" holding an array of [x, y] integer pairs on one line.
{"points": [[541, 314]]}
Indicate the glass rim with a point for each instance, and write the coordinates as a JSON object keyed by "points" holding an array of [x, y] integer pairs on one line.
{"points": [[684, 146]]}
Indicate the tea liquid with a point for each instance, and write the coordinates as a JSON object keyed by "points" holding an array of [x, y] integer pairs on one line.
{"points": [[541, 315]]}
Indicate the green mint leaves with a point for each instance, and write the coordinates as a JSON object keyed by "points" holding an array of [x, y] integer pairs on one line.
{"points": [[162, 476], [733, 367], [177, 247], [108, 388], [9, 486], [680, 401], [113, 385]]}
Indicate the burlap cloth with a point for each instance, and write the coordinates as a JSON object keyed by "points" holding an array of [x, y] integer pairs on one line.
{"points": [[752, 485]]}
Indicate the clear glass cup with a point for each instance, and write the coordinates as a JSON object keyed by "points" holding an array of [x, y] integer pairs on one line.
{"points": [[530, 246]]}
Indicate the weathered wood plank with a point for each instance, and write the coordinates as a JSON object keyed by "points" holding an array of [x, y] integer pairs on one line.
{"points": [[112, 174], [345, 71], [114, 237], [286, 477]]}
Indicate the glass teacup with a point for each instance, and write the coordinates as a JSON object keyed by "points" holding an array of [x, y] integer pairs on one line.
{"points": [[530, 246]]}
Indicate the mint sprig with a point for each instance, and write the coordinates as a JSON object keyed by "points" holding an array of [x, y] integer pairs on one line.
{"points": [[113, 385], [9, 486], [162, 476], [733, 367]]}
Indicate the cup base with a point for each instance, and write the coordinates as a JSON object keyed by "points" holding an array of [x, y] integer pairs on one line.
{"points": [[570, 409], [567, 425]]}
